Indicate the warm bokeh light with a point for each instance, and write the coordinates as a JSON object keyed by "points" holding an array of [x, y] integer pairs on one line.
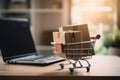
{"points": [[100, 15]]}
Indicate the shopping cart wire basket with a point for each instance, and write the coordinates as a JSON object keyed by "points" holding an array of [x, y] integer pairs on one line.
{"points": [[75, 52]]}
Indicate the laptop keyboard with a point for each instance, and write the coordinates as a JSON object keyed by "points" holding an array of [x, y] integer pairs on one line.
{"points": [[50, 58], [28, 58], [40, 59]]}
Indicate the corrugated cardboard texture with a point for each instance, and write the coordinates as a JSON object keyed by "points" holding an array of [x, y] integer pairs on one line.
{"points": [[82, 36], [67, 37], [84, 31], [83, 28], [66, 28]]}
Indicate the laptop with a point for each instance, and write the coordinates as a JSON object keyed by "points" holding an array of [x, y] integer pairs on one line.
{"points": [[17, 45]]}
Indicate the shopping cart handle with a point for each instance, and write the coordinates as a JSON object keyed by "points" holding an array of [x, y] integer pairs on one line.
{"points": [[96, 37]]}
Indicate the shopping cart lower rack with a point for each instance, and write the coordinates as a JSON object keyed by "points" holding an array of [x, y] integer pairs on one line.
{"points": [[77, 52]]}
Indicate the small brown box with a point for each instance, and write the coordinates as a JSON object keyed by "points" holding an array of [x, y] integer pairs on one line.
{"points": [[84, 31], [56, 37], [85, 34], [76, 36], [61, 37], [66, 28], [67, 37], [83, 28]]}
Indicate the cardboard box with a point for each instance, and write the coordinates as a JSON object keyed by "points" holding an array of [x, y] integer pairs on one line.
{"points": [[83, 28], [74, 37], [85, 34], [66, 28], [61, 37], [67, 37], [84, 31]]}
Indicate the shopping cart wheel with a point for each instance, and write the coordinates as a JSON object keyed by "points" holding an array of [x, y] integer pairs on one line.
{"points": [[81, 65], [62, 66], [71, 70], [88, 69], [74, 65], [89, 65]]}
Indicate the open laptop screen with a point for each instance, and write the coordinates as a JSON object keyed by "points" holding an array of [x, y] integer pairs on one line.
{"points": [[15, 38]]}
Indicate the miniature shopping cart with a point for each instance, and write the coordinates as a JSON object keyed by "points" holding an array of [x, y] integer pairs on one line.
{"points": [[77, 52]]}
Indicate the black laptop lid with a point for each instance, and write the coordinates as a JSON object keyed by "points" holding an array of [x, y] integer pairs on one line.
{"points": [[15, 38]]}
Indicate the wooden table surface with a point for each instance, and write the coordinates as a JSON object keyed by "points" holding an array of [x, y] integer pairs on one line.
{"points": [[100, 66]]}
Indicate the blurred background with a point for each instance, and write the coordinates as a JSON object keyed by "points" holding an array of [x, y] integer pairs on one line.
{"points": [[46, 16]]}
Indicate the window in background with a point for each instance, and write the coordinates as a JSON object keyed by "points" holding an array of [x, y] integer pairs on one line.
{"points": [[100, 15]]}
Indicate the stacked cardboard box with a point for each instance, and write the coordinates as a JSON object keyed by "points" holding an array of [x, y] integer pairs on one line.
{"points": [[83, 28], [84, 32], [72, 34], [67, 37]]}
